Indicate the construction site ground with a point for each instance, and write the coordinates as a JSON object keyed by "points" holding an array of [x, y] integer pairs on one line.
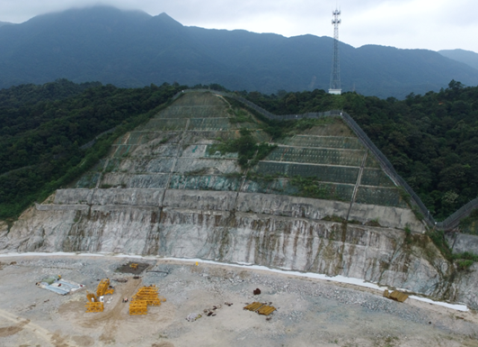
{"points": [[310, 312]]}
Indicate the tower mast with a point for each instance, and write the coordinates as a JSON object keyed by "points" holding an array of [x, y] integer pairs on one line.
{"points": [[335, 79]]}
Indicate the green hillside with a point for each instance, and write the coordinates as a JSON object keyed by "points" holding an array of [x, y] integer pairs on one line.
{"points": [[46, 132], [431, 139]]}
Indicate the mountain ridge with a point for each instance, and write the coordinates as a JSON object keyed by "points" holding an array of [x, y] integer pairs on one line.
{"points": [[134, 49], [467, 57]]}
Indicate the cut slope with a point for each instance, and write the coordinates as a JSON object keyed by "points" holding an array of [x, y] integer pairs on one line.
{"points": [[161, 191]]}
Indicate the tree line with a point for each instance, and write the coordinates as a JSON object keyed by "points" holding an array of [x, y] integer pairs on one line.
{"points": [[42, 130], [431, 139]]}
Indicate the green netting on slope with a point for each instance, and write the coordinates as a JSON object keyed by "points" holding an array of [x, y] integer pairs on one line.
{"points": [[135, 180], [371, 161], [283, 186], [329, 191], [209, 124], [193, 112], [317, 156], [136, 137], [380, 196], [88, 180], [140, 165], [323, 173], [323, 142], [373, 177], [208, 182], [144, 151], [141, 138], [122, 150], [199, 99], [261, 136], [154, 165], [218, 155], [122, 139], [148, 181], [245, 125], [269, 186], [144, 137], [204, 136], [113, 165], [334, 127], [164, 124]]}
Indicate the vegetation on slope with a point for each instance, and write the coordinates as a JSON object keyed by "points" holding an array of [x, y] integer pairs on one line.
{"points": [[431, 139], [43, 130]]}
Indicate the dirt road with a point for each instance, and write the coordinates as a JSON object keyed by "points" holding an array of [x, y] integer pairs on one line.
{"points": [[309, 312]]}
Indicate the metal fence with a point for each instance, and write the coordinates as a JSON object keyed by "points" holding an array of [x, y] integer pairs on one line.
{"points": [[451, 222], [454, 220]]}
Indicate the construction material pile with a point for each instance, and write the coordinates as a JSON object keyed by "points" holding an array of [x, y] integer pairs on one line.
{"points": [[95, 302], [260, 308], [395, 295], [143, 298]]}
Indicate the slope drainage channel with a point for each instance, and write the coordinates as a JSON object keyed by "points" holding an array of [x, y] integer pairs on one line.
{"points": [[336, 279]]}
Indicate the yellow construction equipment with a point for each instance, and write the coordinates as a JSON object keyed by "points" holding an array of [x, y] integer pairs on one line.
{"points": [[266, 310], [133, 265], [260, 308], [93, 304], [145, 297], [395, 295], [254, 306], [104, 288], [138, 307]]}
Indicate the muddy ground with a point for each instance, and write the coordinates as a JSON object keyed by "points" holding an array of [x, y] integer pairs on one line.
{"points": [[310, 312]]}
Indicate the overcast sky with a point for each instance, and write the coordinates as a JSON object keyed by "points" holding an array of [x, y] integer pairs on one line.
{"points": [[430, 24]]}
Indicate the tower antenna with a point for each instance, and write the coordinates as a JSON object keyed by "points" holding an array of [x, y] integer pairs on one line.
{"points": [[335, 79]]}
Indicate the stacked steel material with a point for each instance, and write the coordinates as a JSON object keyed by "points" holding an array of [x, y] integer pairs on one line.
{"points": [[143, 298], [93, 304], [260, 308], [104, 288]]}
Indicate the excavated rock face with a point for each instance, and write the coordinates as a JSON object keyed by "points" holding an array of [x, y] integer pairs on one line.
{"points": [[163, 190]]}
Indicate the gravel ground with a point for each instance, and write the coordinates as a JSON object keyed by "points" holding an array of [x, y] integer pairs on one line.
{"points": [[310, 312]]}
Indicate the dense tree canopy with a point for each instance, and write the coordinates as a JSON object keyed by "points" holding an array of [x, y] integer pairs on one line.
{"points": [[431, 139], [43, 129]]}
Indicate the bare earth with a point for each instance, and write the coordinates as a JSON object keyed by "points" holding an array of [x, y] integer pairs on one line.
{"points": [[310, 312]]}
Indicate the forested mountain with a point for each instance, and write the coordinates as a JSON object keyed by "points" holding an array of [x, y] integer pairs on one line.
{"points": [[134, 49], [431, 139], [468, 57], [43, 130]]}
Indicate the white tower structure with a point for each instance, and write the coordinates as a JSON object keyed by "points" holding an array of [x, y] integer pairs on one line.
{"points": [[335, 79]]}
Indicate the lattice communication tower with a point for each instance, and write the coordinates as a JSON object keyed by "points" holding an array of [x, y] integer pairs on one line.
{"points": [[335, 79]]}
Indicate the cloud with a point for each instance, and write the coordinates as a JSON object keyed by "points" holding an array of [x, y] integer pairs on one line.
{"points": [[402, 23]]}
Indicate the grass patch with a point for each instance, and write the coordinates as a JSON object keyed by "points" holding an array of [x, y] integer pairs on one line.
{"points": [[198, 172], [438, 238], [464, 265], [311, 187], [249, 151]]}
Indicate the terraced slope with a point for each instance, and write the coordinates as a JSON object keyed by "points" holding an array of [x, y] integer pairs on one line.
{"points": [[174, 151], [165, 190]]}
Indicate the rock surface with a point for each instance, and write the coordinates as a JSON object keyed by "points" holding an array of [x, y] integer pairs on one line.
{"points": [[162, 192]]}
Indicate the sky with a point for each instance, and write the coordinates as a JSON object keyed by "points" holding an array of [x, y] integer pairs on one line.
{"points": [[428, 24]]}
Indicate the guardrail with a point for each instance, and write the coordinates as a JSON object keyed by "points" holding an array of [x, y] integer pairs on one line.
{"points": [[450, 223]]}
